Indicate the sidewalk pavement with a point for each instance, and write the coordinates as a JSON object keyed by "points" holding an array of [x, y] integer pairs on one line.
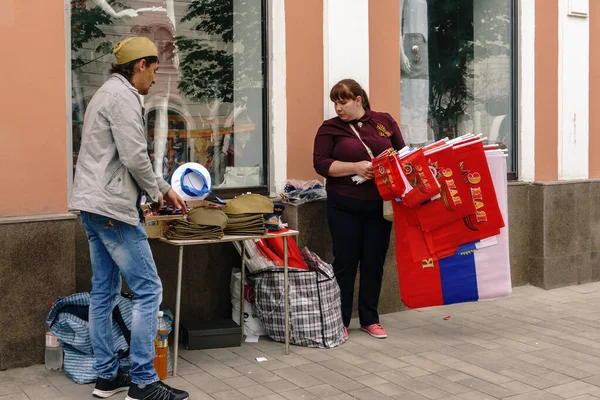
{"points": [[534, 345]]}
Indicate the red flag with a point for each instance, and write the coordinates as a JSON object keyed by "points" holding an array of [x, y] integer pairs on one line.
{"points": [[487, 219], [388, 176], [455, 201], [420, 282], [417, 171]]}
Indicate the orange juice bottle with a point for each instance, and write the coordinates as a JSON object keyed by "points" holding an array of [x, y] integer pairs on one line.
{"points": [[161, 347]]}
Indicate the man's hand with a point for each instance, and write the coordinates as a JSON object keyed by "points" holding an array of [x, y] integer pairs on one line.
{"points": [[364, 169], [173, 200]]}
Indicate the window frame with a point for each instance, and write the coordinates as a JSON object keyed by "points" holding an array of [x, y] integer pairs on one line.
{"points": [[514, 156]]}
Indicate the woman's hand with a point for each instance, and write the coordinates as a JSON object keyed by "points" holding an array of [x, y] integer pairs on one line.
{"points": [[364, 169]]}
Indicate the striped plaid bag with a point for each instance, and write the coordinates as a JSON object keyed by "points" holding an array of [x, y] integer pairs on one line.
{"points": [[68, 320], [315, 305]]}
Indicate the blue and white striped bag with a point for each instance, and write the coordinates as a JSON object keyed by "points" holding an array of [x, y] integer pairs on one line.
{"points": [[68, 320]]}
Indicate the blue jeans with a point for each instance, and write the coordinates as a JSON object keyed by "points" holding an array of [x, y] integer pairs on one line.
{"points": [[118, 248]]}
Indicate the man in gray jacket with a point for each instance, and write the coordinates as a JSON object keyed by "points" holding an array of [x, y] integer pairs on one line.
{"points": [[113, 169]]}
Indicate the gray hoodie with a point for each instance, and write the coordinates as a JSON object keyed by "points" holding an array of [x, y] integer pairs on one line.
{"points": [[113, 164]]}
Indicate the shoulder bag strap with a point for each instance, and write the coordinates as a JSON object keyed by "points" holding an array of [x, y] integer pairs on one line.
{"points": [[363, 143]]}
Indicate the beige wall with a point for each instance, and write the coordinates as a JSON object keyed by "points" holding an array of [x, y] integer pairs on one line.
{"points": [[304, 58], [546, 90], [594, 89], [384, 56], [33, 154]]}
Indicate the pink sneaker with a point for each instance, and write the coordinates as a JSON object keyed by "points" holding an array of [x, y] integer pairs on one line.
{"points": [[375, 330], [346, 334]]}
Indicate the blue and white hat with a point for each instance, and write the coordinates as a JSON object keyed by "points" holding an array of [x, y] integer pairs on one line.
{"points": [[191, 181]]}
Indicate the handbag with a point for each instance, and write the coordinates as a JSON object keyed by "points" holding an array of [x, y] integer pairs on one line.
{"points": [[388, 211]]}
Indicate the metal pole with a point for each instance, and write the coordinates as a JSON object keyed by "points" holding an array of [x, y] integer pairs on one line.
{"points": [[242, 303], [287, 294], [177, 308]]}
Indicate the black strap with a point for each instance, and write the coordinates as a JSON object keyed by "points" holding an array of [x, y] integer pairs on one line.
{"points": [[126, 332], [84, 311]]}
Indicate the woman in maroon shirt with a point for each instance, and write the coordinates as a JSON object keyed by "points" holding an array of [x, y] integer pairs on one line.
{"points": [[359, 232]]}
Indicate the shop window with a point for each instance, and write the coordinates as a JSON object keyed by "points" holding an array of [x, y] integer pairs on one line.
{"points": [[457, 71], [208, 104]]}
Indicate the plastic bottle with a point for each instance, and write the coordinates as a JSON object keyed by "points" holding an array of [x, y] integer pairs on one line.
{"points": [[53, 357], [161, 346]]}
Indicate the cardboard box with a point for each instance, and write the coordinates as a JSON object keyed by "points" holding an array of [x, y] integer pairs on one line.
{"points": [[156, 226]]}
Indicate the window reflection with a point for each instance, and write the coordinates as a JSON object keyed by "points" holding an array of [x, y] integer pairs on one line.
{"points": [[456, 70], [207, 103]]}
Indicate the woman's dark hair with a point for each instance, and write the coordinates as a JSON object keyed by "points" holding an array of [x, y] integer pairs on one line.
{"points": [[349, 89], [127, 69]]}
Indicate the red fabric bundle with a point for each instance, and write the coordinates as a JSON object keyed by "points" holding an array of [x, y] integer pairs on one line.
{"points": [[487, 219], [388, 176], [416, 246], [268, 253], [416, 169], [420, 281], [295, 259], [455, 201]]}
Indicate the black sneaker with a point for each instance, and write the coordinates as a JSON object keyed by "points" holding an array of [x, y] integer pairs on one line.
{"points": [[106, 388], [156, 391]]}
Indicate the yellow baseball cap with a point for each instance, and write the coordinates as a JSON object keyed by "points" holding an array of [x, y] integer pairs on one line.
{"points": [[134, 48]]}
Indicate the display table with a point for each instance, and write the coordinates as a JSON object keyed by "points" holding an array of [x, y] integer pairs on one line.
{"points": [[230, 238]]}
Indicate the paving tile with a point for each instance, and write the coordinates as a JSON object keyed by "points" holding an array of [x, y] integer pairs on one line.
{"points": [[407, 395], [280, 386], [298, 394], [476, 396], [256, 391], [537, 395], [367, 394], [257, 373], [9, 388], [44, 391], [423, 363], [220, 371], [389, 389], [572, 389], [323, 391], [298, 377], [75, 391], [343, 368], [207, 382], [371, 380], [15, 396], [333, 378], [272, 397], [443, 384], [238, 382], [341, 396], [230, 395], [487, 387]]}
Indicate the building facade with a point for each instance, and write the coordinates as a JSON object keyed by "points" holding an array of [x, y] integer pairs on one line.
{"points": [[243, 86]]}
